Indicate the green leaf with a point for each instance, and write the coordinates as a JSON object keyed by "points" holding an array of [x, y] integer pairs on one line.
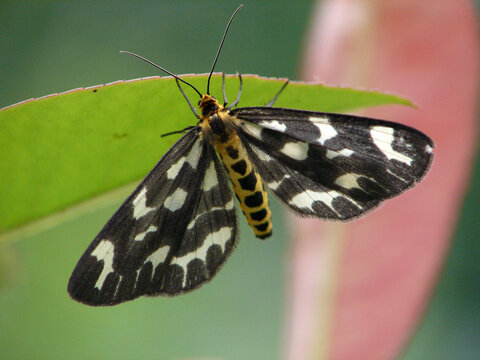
{"points": [[63, 149]]}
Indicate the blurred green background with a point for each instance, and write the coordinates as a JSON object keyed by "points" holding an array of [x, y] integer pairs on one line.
{"points": [[48, 47]]}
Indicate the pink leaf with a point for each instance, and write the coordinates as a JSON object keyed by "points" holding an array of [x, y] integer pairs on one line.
{"points": [[359, 289]]}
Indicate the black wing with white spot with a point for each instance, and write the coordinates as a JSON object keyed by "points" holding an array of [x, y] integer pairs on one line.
{"points": [[330, 165], [170, 236]]}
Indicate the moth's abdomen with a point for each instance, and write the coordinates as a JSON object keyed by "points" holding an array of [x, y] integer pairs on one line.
{"points": [[247, 185]]}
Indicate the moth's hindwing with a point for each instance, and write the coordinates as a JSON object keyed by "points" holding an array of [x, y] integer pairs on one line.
{"points": [[330, 165], [170, 236]]}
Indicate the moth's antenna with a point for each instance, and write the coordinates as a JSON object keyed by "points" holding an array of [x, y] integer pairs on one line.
{"points": [[163, 69], [220, 48]]}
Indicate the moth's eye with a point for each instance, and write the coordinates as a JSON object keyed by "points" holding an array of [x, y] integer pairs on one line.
{"points": [[199, 101]]}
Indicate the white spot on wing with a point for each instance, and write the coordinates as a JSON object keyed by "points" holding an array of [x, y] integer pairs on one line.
{"points": [[219, 237], [140, 207], [175, 168], [428, 149], [194, 154], [262, 155], [295, 150], [228, 206], [345, 152], [141, 236], [120, 277], [252, 129], [175, 200], [348, 181], [331, 154], [307, 198], [397, 176], [191, 158], [273, 125], [383, 138], [210, 180], [327, 131], [158, 256], [275, 184], [104, 252], [342, 152]]}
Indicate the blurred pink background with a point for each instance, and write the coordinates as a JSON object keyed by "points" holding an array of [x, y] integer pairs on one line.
{"points": [[360, 289]]}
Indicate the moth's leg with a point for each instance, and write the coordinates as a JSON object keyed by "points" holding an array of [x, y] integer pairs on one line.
{"points": [[194, 110], [271, 102], [239, 92], [225, 101], [178, 131]]}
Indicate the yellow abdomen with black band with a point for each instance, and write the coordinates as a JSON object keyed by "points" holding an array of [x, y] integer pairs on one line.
{"points": [[247, 185], [218, 128]]}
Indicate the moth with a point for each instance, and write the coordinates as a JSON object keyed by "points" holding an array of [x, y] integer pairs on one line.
{"points": [[175, 231]]}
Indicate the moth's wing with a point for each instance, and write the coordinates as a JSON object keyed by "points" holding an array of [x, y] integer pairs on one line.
{"points": [[330, 165], [170, 236]]}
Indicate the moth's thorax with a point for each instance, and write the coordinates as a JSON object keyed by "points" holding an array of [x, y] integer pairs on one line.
{"points": [[215, 121], [208, 106]]}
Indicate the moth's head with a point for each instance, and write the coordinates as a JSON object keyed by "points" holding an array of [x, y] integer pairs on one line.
{"points": [[208, 105]]}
